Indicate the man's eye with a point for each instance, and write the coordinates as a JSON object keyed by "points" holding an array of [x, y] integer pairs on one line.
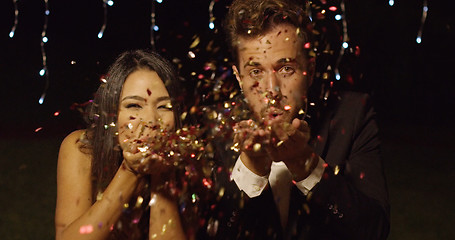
{"points": [[286, 70], [256, 73]]}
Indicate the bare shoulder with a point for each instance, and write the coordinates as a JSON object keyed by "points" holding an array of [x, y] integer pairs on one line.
{"points": [[73, 180], [71, 151], [73, 138]]}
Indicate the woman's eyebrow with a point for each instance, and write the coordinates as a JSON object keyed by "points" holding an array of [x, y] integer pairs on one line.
{"points": [[134, 97], [163, 98]]}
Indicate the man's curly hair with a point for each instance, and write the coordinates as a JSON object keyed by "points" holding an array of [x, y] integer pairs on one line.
{"points": [[252, 18]]}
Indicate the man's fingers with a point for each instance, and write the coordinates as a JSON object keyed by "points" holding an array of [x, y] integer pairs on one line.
{"points": [[281, 132], [301, 125]]}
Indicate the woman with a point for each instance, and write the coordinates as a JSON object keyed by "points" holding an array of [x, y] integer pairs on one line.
{"points": [[108, 179]]}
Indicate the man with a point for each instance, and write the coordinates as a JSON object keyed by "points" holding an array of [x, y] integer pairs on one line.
{"points": [[331, 186]]}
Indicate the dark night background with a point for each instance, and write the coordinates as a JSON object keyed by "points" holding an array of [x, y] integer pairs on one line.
{"points": [[412, 86]]}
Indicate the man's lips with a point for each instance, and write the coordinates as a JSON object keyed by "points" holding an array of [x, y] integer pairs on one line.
{"points": [[273, 113]]}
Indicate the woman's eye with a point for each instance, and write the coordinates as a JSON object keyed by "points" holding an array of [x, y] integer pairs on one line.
{"points": [[167, 106], [133, 105]]}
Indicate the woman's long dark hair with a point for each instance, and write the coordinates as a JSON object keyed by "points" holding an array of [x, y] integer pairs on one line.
{"points": [[102, 140]]}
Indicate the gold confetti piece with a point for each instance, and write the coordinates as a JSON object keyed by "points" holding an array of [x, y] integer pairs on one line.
{"points": [[99, 196], [196, 42], [235, 147], [143, 149], [336, 170], [163, 229], [183, 116], [279, 143], [221, 192], [152, 200], [139, 201], [257, 147], [325, 76]]}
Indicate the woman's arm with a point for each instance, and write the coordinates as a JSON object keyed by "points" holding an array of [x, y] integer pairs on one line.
{"points": [[76, 217], [164, 218]]}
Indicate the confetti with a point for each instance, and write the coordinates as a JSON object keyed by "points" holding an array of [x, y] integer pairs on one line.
{"points": [[86, 229]]}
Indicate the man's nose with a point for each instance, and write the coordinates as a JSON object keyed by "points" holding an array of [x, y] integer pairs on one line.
{"points": [[273, 84]]}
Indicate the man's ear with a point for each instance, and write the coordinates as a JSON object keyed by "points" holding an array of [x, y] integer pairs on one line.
{"points": [[237, 75]]}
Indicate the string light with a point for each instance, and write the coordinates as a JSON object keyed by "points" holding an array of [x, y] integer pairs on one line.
{"points": [[391, 3], [44, 72], [422, 22], [345, 40], [16, 18], [153, 26], [103, 27], [212, 18]]}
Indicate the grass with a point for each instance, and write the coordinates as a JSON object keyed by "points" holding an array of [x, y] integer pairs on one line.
{"points": [[28, 187], [420, 173]]}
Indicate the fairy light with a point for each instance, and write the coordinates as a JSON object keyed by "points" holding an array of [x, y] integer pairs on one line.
{"points": [[44, 72], [103, 27], [153, 26], [391, 3], [345, 40], [16, 19], [309, 8], [422, 22], [212, 18]]}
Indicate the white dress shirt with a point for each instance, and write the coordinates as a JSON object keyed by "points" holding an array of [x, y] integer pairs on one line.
{"points": [[280, 179]]}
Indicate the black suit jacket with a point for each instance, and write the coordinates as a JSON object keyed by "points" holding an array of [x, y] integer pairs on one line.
{"points": [[350, 201]]}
